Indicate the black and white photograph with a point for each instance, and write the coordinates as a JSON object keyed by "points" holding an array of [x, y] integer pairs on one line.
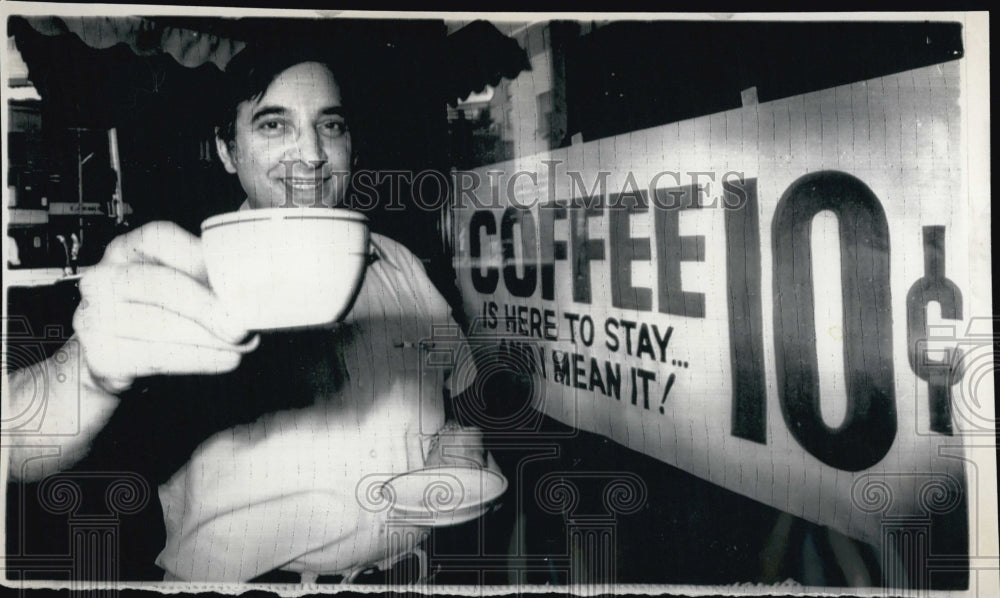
{"points": [[306, 302]]}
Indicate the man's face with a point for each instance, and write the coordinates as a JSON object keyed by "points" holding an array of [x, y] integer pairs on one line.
{"points": [[292, 147]]}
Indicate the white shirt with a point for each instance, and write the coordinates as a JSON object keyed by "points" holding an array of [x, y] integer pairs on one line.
{"points": [[298, 489]]}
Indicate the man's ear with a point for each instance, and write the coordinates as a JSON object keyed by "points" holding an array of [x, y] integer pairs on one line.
{"points": [[222, 147]]}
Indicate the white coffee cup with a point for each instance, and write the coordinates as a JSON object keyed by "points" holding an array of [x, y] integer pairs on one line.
{"points": [[286, 267]]}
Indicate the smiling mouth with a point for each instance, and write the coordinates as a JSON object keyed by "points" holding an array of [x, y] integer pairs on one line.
{"points": [[305, 183]]}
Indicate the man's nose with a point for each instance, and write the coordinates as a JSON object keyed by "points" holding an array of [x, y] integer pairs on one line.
{"points": [[309, 147]]}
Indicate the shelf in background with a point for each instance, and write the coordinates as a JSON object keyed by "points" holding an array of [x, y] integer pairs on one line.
{"points": [[36, 277], [26, 217]]}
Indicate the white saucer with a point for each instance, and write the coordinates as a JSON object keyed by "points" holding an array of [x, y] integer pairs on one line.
{"points": [[440, 496]]}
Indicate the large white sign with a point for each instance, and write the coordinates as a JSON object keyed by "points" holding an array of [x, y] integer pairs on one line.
{"points": [[774, 298]]}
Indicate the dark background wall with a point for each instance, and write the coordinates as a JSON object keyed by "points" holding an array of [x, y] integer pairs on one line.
{"points": [[632, 75]]}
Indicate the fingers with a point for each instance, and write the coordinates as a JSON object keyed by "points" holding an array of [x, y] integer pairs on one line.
{"points": [[458, 446], [116, 362], [492, 464], [149, 322], [146, 309], [172, 294], [123, 340], [162, 243]]}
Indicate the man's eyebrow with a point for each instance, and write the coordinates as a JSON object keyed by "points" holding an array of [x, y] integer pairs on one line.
{"points": [[332, 111], [264, 111]]}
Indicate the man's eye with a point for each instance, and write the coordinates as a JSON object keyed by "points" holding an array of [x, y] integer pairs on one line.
{"points": [[271, 127], [333, 128]]}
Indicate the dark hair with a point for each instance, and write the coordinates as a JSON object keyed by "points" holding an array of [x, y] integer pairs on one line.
{"points": [[251, 71]]}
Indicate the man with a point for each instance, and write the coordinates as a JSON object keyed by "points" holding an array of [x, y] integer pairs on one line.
{"points": [[339, 409]]}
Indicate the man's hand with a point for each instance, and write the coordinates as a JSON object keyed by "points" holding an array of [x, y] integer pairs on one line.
{"points": [[147, 309], [459, 445]]}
